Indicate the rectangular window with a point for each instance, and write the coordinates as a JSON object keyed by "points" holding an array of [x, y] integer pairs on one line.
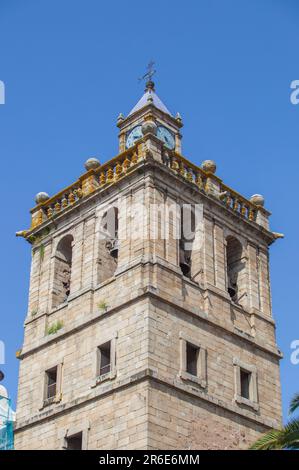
{"points": [[246, 389], [74, 442], [192, 354], [193, 365], [104, 359], [51, 383], [245, 378]]}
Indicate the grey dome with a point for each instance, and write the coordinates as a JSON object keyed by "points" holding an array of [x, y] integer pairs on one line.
{"points": [[92, 163], [257, 199], [41, 197]]}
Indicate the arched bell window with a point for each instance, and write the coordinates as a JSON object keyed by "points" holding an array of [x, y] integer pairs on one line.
{"points": [[235, 266], [108, 245], [62, 270], [110, 225], [186, 238]]}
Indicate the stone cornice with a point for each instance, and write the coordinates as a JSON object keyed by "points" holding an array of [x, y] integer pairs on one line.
{"points": [[151, 110], [121, 166], [145, 375], [233, 215]]}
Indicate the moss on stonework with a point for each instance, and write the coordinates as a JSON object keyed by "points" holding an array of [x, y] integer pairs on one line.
{"points": [[51, 330]]}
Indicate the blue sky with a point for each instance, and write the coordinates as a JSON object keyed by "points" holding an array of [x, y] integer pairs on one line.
{"points": [[71, 66]]}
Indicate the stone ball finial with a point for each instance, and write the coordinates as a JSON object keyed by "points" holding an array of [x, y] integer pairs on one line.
{"points": [[41, 197], [92, 164], [150, 85], [149, 127], [209, 166], [257, 199], [120, 118], [178, 117]]}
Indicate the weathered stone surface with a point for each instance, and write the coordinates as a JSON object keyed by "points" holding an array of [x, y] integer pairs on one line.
{"points": [[142, 302]]}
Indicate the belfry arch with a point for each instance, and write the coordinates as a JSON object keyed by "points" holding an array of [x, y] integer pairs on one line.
{"points": [[62, 271]]}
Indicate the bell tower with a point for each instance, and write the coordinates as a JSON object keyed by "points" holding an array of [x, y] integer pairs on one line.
{"points": [[150, 114], [140, 334]]}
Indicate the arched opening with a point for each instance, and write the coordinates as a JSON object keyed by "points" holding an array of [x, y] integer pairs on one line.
{"points": [[235, 268], [62, 271], [110, 226], [186, 238], [108, 245]]}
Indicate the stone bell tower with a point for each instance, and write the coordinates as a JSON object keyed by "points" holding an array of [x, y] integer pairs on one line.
{"points": [[140, 334]]}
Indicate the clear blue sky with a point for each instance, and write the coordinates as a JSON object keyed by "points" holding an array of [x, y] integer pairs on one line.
{"points": [[71, 66]]}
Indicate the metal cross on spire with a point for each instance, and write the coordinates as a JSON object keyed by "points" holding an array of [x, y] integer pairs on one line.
{"points": [[148, 75]]}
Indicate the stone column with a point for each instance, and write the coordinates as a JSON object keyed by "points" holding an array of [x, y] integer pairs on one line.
{"points": [[197, 256], [45, 272], [122, 142], [209, 267], [88, 252], [77, 256], [33, 302], [265, 295], [262, 218], [178, 143], [172, 230], [220, 260], [132, 226], [253, 288]]}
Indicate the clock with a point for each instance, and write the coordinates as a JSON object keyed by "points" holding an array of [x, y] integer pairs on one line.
{"points": [[133, 135], [166, 136]]}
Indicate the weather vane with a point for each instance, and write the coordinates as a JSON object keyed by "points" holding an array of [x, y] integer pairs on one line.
{"points": [[150, 72]]}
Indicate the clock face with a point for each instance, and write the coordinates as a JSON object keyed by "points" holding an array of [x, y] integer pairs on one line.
{"points": [[166, 136], [133, 135]]}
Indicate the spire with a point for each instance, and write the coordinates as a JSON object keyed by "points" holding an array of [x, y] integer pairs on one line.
{"points": [[150, 96]]}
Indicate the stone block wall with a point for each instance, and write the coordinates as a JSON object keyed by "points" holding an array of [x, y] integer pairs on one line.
{"points": [[145, 305]]}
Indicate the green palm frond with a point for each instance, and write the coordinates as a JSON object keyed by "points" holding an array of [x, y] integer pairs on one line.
{"points": [[267, 441], [294, 403], [285, 438], [290, 434]]}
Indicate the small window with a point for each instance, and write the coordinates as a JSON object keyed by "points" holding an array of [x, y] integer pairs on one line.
{"points": [[51, 383], [104, 359], [193, 361], [192, 354], [246, 389], [245, 378], [74, 442]]}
